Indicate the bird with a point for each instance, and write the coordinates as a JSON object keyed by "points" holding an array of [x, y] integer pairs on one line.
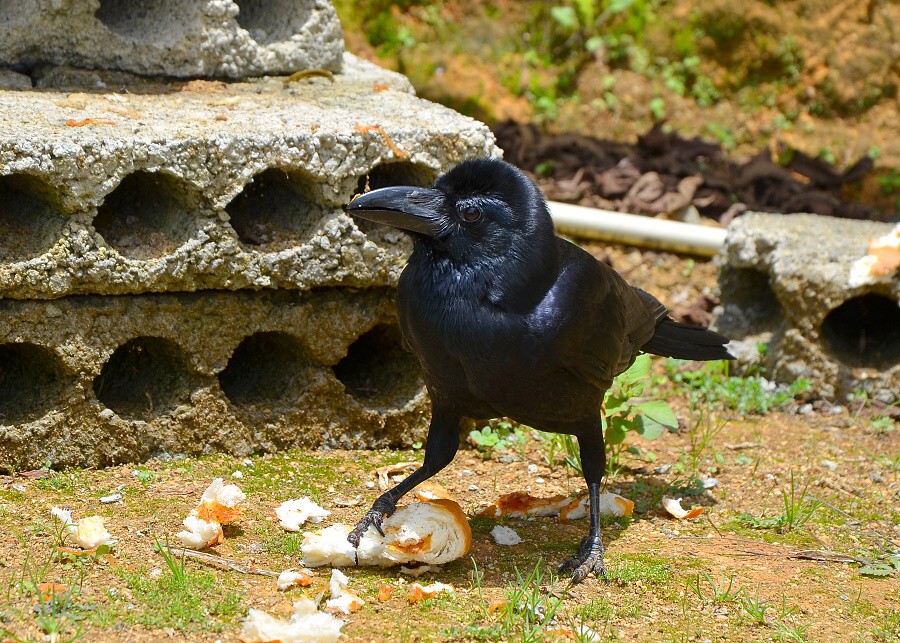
{"points": [[507, 319]]}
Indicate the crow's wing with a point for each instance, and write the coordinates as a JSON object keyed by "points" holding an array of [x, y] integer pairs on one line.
{"points": [[605, 321]]}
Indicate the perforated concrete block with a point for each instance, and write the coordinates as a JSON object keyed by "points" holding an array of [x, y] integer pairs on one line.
{"points": [[213, 186], [97, 380], [784, 282], [181, 38], [177, 274]]}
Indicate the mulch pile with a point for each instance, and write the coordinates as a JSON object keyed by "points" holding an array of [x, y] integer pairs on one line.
{"points": [[671, 175]]}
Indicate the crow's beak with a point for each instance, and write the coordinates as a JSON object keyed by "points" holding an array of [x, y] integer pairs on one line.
{"points": [[409, 208]]}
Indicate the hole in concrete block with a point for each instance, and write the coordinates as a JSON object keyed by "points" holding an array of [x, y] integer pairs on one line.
{"points": [[377, 370], [147, 215], [274, 211], [386, 175], [155, 21], [144, 378], [750, 291], [864, 331], [29, 223], [32, 382], [266, 368], [271, 21]]}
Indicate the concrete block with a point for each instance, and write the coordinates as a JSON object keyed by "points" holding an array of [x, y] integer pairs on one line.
{"points": [[785, 282], [180, 38], [98, 380], [213, 186]]}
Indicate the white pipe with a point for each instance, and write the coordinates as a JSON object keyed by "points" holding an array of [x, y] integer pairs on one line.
{"points": [[632, 229]]}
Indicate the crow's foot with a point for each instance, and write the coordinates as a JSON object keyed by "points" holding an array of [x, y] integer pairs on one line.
{"points": [[374, 517], [588, 559]]}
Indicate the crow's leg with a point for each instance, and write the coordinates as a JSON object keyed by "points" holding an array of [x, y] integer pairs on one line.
{"points": [[440, 448], [590, 553]]}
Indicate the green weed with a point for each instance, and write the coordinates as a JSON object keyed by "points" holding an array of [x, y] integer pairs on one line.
{"points": [[797, 509], [718, 592]]}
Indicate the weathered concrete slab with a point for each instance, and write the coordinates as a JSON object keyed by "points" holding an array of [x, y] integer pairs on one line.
{"points": [[785, 282], [97, 380], [181, 38], [212, 186]]}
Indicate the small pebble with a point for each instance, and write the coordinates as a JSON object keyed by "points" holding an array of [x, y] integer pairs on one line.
{"points": [[237, 474], [508, 459], [663, 469], [769, 477], [19, 487], [540, 480], [829, 464], [370, 484], [709, 483], [473, 487], [115, 497], [532, 468], [806, 409], [248, 462], [876, 477], [467, 472]]}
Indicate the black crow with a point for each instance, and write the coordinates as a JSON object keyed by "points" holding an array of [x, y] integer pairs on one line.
{"points": [[509, 320]]}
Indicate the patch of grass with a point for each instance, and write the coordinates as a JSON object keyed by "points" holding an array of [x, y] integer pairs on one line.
{"points": [[640, 567], [284, 543], [62, 482], [49, 587], [888, 629], [189, 601], [525, 613]]}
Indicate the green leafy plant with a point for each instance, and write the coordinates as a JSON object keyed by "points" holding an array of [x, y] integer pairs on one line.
{"points": [[500, 437], [711, 384], [625, 413]]}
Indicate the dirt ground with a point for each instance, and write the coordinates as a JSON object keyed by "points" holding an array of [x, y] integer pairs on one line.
{"points": [[694, 580]]}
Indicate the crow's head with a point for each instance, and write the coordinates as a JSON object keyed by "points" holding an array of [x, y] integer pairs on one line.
{"points": [[479, 212]]}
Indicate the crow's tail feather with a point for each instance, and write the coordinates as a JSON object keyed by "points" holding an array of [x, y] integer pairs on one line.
{"points": [[674, 339]]}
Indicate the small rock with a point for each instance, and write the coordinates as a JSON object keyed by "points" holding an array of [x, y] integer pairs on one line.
{"points": [[709, 483], [248, 462], [108, 500], [876, 477], [237, 474], [467, 472], [19, 487], [532, 468], [506, 536], [540, 480], [663, 469], [370, 484], [508, 458], [829, 464], [473, 487], [806, 409]]}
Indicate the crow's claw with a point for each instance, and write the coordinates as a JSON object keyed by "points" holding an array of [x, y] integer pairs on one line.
{"points": [[588, 559], [373, 518]]}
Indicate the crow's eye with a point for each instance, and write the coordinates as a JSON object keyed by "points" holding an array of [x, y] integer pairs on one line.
{"points": [[471, 213]]}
